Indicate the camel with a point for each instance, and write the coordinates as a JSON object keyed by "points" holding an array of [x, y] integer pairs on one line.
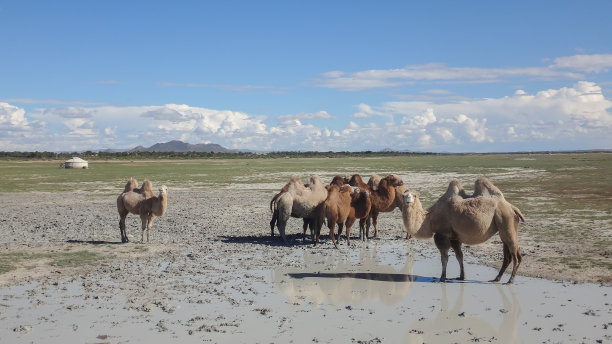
{"points": [[361, 204], [383, 199], [335, 209], [129, 202], [151, 208], [337, 180], [455, 220], [299, 201]]}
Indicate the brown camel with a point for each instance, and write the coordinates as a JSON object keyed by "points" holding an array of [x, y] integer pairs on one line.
{"points": [[361, 204], [454, 220], [383, 199], [335, 209]]}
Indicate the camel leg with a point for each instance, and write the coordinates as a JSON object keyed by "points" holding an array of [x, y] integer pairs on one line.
{"points": [[349, 222], [332, 226], [508, 234], [456, 244], [143, 220], [273, 222], [124, 237], [505, 264], [443, 244], [149, 225], [340, 227], [375, 223], [305, 225], [363, 235], [516, 257], [281, 223]]}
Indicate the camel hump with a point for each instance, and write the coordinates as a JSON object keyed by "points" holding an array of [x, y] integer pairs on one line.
{"points": [[315, 180], [484, 187], [130, 185], [454, 189], [147, 189], [373, 182]]}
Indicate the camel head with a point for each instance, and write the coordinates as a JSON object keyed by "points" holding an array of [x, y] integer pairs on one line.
{"points": [[408, 197], [339, 180], [163, 190], [355, 190], [394, 180], [355, 180]]}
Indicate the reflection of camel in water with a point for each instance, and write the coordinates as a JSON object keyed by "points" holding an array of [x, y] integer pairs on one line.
{"points": [[345, 279], [457, 325]]}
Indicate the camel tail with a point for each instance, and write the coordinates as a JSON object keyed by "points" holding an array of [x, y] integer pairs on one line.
{"points": [[518, 214], [273, 203]]}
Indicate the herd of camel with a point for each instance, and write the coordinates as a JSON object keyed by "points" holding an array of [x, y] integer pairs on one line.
{"points": [[456, 218]]}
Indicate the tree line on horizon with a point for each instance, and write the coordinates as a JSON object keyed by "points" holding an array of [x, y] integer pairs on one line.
{"points": [[91, 155], [143, 155]]}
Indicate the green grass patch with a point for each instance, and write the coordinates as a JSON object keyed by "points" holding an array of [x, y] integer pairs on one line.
{"points": [[14, 260]]}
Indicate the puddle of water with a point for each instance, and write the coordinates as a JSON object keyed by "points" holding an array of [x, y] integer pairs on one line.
{"points": [[376, 292]]}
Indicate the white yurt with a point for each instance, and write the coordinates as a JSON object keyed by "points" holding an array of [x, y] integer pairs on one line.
{"points": [[76, 162]]}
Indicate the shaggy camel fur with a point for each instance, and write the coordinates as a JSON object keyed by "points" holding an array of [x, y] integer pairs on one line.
{"points": [[300, 201], [151, 208], [129, 202], [454, 220], [383, 199]]}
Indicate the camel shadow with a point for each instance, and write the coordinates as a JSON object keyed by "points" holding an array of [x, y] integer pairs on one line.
{"points": [[267, 240], [94, 242], [374, 276]]}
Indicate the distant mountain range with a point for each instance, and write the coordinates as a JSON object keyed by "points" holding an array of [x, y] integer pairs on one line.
{"points": [[180, 146]]}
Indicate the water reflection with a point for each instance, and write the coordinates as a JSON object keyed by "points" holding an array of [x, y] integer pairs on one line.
{"points": [[382, 282], [459, 324], [347, 278]]}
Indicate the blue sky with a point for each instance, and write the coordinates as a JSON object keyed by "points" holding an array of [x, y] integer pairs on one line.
{"points": [[477, 76]]}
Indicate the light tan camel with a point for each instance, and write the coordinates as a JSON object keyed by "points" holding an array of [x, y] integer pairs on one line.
{"points": [[151, 208], [454, 220], [129, 202], [299, 201]]}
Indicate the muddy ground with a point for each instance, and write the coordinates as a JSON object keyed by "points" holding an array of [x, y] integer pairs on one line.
{"points": [[212, 272]]}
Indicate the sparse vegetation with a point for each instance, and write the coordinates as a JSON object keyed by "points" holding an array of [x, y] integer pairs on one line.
{"points": [[14, 260]]}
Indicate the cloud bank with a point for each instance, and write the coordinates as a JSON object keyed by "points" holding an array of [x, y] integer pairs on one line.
{"points": [[571, 67], [576, 117]]}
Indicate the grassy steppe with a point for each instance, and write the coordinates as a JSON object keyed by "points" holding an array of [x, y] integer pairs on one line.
{"points": [[567, 198]]}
